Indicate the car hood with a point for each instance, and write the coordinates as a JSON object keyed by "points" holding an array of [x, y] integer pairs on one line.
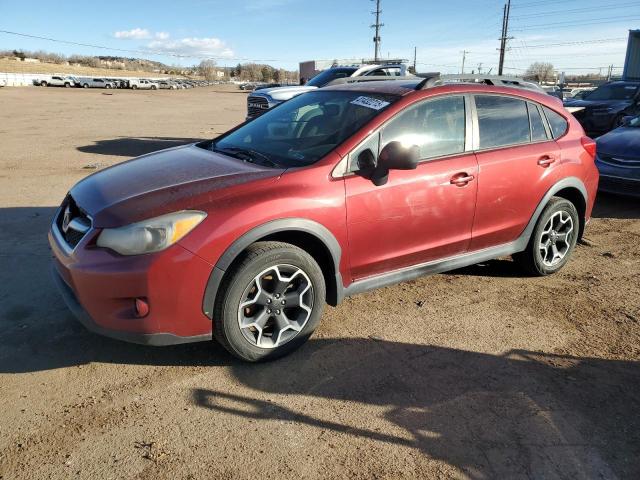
{"points": [[284, 93], [170, 180], [595, 104], [623, 141]]}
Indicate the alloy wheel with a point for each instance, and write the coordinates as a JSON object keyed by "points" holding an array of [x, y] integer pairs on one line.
{"points": [[555, 241], [275, 306]]}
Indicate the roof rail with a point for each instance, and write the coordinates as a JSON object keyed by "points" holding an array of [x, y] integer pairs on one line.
{"points": [[372, 78], [434, 79]]}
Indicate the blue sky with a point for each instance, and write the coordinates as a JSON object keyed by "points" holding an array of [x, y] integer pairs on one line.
{"points": [[284, 32]]}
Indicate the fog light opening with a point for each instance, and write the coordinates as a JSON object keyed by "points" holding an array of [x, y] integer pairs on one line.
{"points": [[142, 307]]}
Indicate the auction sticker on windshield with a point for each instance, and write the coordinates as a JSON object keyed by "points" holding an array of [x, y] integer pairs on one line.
{"points": [[369, 102]]}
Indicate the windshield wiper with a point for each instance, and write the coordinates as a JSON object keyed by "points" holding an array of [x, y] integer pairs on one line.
{"points": [[248, 155]]}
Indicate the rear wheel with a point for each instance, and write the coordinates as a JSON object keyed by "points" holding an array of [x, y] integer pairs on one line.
{"points": [[270, 302], [134, 87], [107, 86], [67, 85], [553, 239], [86, 85], [43, 84]]}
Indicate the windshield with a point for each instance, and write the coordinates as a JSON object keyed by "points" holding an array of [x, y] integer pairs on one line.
{"points": [[304, 129], [327, 76], [618, 91]]}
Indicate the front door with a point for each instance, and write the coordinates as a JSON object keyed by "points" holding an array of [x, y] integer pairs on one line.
{"points": [[418, 215]]}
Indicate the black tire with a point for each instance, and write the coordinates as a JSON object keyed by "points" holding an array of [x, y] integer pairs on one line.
{"points": [[107, 86], [67, 85], [43, 84], [134, 87], [257, 259], [153, 87], [86, 85], [532, 260]]}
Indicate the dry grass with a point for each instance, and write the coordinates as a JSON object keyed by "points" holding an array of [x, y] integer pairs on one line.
{"points": [[15, 66]]}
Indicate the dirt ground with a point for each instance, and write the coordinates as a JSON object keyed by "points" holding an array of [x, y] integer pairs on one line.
{"points": [[481, 373]]}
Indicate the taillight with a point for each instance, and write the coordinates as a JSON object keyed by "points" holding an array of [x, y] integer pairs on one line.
{"points": [[589, 145]]}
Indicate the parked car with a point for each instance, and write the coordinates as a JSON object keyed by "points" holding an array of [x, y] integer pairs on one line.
{"points": [[265, 99], [56, 81], [578, 93], [245, 237], [166, 85], [143, 84], [95, 83], [603, 109], [618, 159]]}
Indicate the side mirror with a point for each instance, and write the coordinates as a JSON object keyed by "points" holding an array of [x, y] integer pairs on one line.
{"points": [[394, 156]]}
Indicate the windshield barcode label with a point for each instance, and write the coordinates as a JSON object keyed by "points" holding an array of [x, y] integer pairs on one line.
{"points": [[369, 102]]}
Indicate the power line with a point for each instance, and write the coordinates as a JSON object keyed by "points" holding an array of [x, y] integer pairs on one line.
{"points": [[575, 10], [581, 42], [543, 26]]}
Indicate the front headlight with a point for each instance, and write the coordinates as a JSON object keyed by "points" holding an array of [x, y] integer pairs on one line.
{"points": [[150, 235]]}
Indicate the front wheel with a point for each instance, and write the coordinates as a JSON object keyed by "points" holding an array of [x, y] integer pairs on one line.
{"points": [[86, 85], [553, 239], [43, 84], [270, 302], [134, 87]]}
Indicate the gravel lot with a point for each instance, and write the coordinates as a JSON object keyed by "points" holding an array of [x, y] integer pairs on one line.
{"points": [[481, 373]]}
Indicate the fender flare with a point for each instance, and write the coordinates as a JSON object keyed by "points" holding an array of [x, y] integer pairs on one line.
{"points": [[275, 226], [569, 182]]}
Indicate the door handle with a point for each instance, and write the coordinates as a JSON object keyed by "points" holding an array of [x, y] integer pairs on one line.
{"points": [[546, 160], [461, 179]]}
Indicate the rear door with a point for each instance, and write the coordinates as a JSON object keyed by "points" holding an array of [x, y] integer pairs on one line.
{"points": [[418, 215], [517, 157]]}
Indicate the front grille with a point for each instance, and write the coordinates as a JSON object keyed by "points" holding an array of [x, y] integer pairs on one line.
{"points": [[620, 160], [76, 225], [256, 106]]}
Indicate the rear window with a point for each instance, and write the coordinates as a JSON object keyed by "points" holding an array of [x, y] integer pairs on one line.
{"points": [[557, 123], [502, 121]]}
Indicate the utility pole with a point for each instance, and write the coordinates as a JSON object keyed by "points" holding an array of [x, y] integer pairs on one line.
{"points": [[504, 37], [480, 68], [377, 26], [464, 56], [415, 59]]}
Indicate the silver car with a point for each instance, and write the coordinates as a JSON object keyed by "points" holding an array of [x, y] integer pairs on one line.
{"points": [[95, 83]]}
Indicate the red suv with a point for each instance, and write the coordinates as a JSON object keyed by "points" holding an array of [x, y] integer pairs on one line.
{"points": [[334, 192]]}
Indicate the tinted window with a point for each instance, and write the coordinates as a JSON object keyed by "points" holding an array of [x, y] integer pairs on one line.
{"points": [[502, 121], [614, 91], [538, 131], [436, 126], [304, 129], [327, 76], [557, 122]]}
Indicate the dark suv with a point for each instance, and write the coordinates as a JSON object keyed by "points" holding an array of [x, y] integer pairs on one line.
{"points": [[604, 109], [335, 192]]}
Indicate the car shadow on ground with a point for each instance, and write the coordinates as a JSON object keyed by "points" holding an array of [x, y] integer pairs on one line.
{"points": [[518, 415], [134, 146], [616, 206]]}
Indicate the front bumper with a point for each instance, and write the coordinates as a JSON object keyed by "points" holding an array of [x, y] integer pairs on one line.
{"points": [[100, 288], [618, 179]]}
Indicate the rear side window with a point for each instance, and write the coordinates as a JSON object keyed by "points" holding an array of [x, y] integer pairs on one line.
{"points": [[436, 126], [538, 132], [502, 121], [557, 123]]}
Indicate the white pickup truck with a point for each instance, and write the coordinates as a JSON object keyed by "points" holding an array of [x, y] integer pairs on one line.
{"points": [[264, 99], [143, 84], [56, 81]]}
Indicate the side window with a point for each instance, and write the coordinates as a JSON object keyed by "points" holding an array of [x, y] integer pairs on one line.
{"points": [[502, 121], [437, 127], [538, 132], [557, 123]]}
